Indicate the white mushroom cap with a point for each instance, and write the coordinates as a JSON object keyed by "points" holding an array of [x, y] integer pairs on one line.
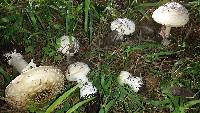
{"points": [[134, 82], [78, 72], [32, 83], [123, 26], [171, 14], [87, 89], [69, 45]]}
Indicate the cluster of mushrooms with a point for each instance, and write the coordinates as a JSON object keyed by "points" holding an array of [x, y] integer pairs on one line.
{"points": [[48, 81]]}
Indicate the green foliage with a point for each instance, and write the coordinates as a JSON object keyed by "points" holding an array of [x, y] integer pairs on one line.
{"points": [[150, 55], [175, 103], [195, 8], [7, 78], [36, 23], [61, 99], [79, 104]]}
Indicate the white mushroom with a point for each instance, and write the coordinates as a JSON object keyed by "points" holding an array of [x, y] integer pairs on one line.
{"points": [[69, 45], [134, 82], [171, 14], [123, 26], [78, 72], [16, 60], [36, 84]]}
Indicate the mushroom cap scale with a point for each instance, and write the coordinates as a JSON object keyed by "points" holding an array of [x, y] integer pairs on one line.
{"points": [[123, 26], [171, 14], [78, 72], [34, 81]]}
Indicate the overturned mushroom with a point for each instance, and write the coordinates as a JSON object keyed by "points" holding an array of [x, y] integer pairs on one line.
{"points": [[171, 14], [78, 72], [69, 45], [34, 84], [134, 82]]}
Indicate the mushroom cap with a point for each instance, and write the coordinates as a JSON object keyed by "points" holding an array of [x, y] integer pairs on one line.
{"points": [[123, 26], [31, 85], [77, 72], [134, 82], [69, 45], [171, 14]]}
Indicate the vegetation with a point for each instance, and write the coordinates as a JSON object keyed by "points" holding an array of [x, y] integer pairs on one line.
{"points": [[34, 27]]}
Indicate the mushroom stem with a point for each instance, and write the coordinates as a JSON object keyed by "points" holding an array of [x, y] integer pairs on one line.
{"points": [[16, 61], [165, 34], [167, 31], [82, 81]]}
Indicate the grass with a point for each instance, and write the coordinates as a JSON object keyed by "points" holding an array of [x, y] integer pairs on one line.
{"points": [[34, 28]]}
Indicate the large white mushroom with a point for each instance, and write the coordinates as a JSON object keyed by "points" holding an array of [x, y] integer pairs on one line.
{"points": [[123, 26], [34, 84], [171, 14], [134, 82], [69, 45], [78, 72]]}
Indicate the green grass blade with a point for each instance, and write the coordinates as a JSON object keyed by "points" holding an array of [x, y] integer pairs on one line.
{"points": [[61, 99], [109, 105], [6, 77], [86, 10], [78, 105], [191, 103]]}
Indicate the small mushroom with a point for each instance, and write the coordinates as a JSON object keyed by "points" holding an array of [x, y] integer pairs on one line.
{"points": [[134, 82], [171, 14], [34, 84], [69, 45], [78, 72], [123, 26], [16, 60]]}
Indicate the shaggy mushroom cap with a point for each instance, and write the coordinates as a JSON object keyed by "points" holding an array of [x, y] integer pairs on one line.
{"points": [[31, 85], [171, 14], [87, 90], [69, 45], [134, 82], [77, 72], [123, 26]]}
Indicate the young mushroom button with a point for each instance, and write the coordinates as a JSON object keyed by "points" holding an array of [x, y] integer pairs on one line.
{"points": [[78, 72], [69, 45], [134, 82], [171, 14], [123, 26]]}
